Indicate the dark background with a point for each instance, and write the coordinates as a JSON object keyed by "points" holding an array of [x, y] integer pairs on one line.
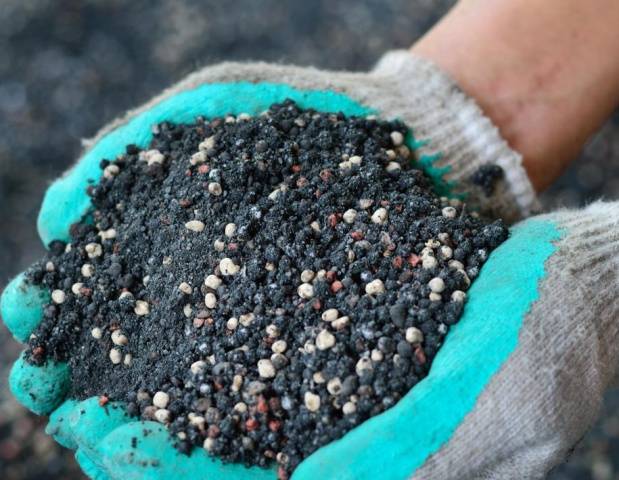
{"points": [[68, 67]]}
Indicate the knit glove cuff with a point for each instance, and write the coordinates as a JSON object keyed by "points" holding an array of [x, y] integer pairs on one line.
{"points": [[549, 390], [456, 128]]}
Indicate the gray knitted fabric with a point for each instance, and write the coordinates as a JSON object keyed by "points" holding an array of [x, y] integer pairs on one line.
{"points": [[464, 136], [548, 393], [411, 89]]}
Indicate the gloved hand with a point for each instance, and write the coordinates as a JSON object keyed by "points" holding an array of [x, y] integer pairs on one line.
{"points": [[521, 376], [488, 381]]}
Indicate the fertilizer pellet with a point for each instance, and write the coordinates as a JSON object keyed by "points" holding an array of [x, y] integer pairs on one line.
{"points": [[58, 296]]}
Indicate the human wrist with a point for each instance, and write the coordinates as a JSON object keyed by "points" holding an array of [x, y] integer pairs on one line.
{"points": [[541, 74]]}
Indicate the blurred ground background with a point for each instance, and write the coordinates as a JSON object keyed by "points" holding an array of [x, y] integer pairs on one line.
{"points": [[67, 67]]}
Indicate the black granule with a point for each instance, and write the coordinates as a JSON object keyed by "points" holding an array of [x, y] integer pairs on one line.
{"points": [[344, 311], [487, 177]]}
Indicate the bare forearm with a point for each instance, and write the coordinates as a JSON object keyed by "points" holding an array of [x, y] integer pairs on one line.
{"points": [[545, 71]]}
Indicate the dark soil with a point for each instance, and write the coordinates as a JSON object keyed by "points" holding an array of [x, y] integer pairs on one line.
{"points": [[275, 281], [487, 177]]}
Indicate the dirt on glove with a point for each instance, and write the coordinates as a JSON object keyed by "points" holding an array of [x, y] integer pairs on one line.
{"points": [[261, 285]]}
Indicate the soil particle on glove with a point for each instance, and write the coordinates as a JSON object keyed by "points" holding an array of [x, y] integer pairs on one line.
{"points": [[260, 285], [487, 177]]}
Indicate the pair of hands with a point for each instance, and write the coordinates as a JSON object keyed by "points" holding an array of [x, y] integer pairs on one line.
{"points": [[495, 403]]}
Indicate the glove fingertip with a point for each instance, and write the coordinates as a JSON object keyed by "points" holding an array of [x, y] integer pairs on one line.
{"points": [[39, 388], [21, 307], [144, 450], [135, 450], [64, 203], [90, 422], [89, 467], [59, 427]]}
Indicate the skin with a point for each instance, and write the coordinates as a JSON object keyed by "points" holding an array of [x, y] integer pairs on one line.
{"points": [[545, 71]]}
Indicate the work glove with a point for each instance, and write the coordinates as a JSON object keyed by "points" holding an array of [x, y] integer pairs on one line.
{"points": [[518, 379]]}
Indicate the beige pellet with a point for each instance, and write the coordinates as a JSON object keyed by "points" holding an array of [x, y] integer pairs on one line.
{"points": [[58, 296], [350, 215], [414, 335], [266, 368], [119, 338], [195, 225], [334, 386], [330, 315], [230, 230], [141, 308], [305, 291], [210, 300], [279, 346], [307, 276], [380, 216], [162, 415], [93, 250], [215, 189], [115, 356], [185, 288], [197, 367], [228, 267], [325, 340], [213, 282], [397, 138], [312, 401], [437, 285], [161, 399], [458, 296], [375, 287]]}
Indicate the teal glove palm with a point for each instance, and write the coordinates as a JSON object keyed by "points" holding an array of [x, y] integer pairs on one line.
{"points": [[447, 426]]}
